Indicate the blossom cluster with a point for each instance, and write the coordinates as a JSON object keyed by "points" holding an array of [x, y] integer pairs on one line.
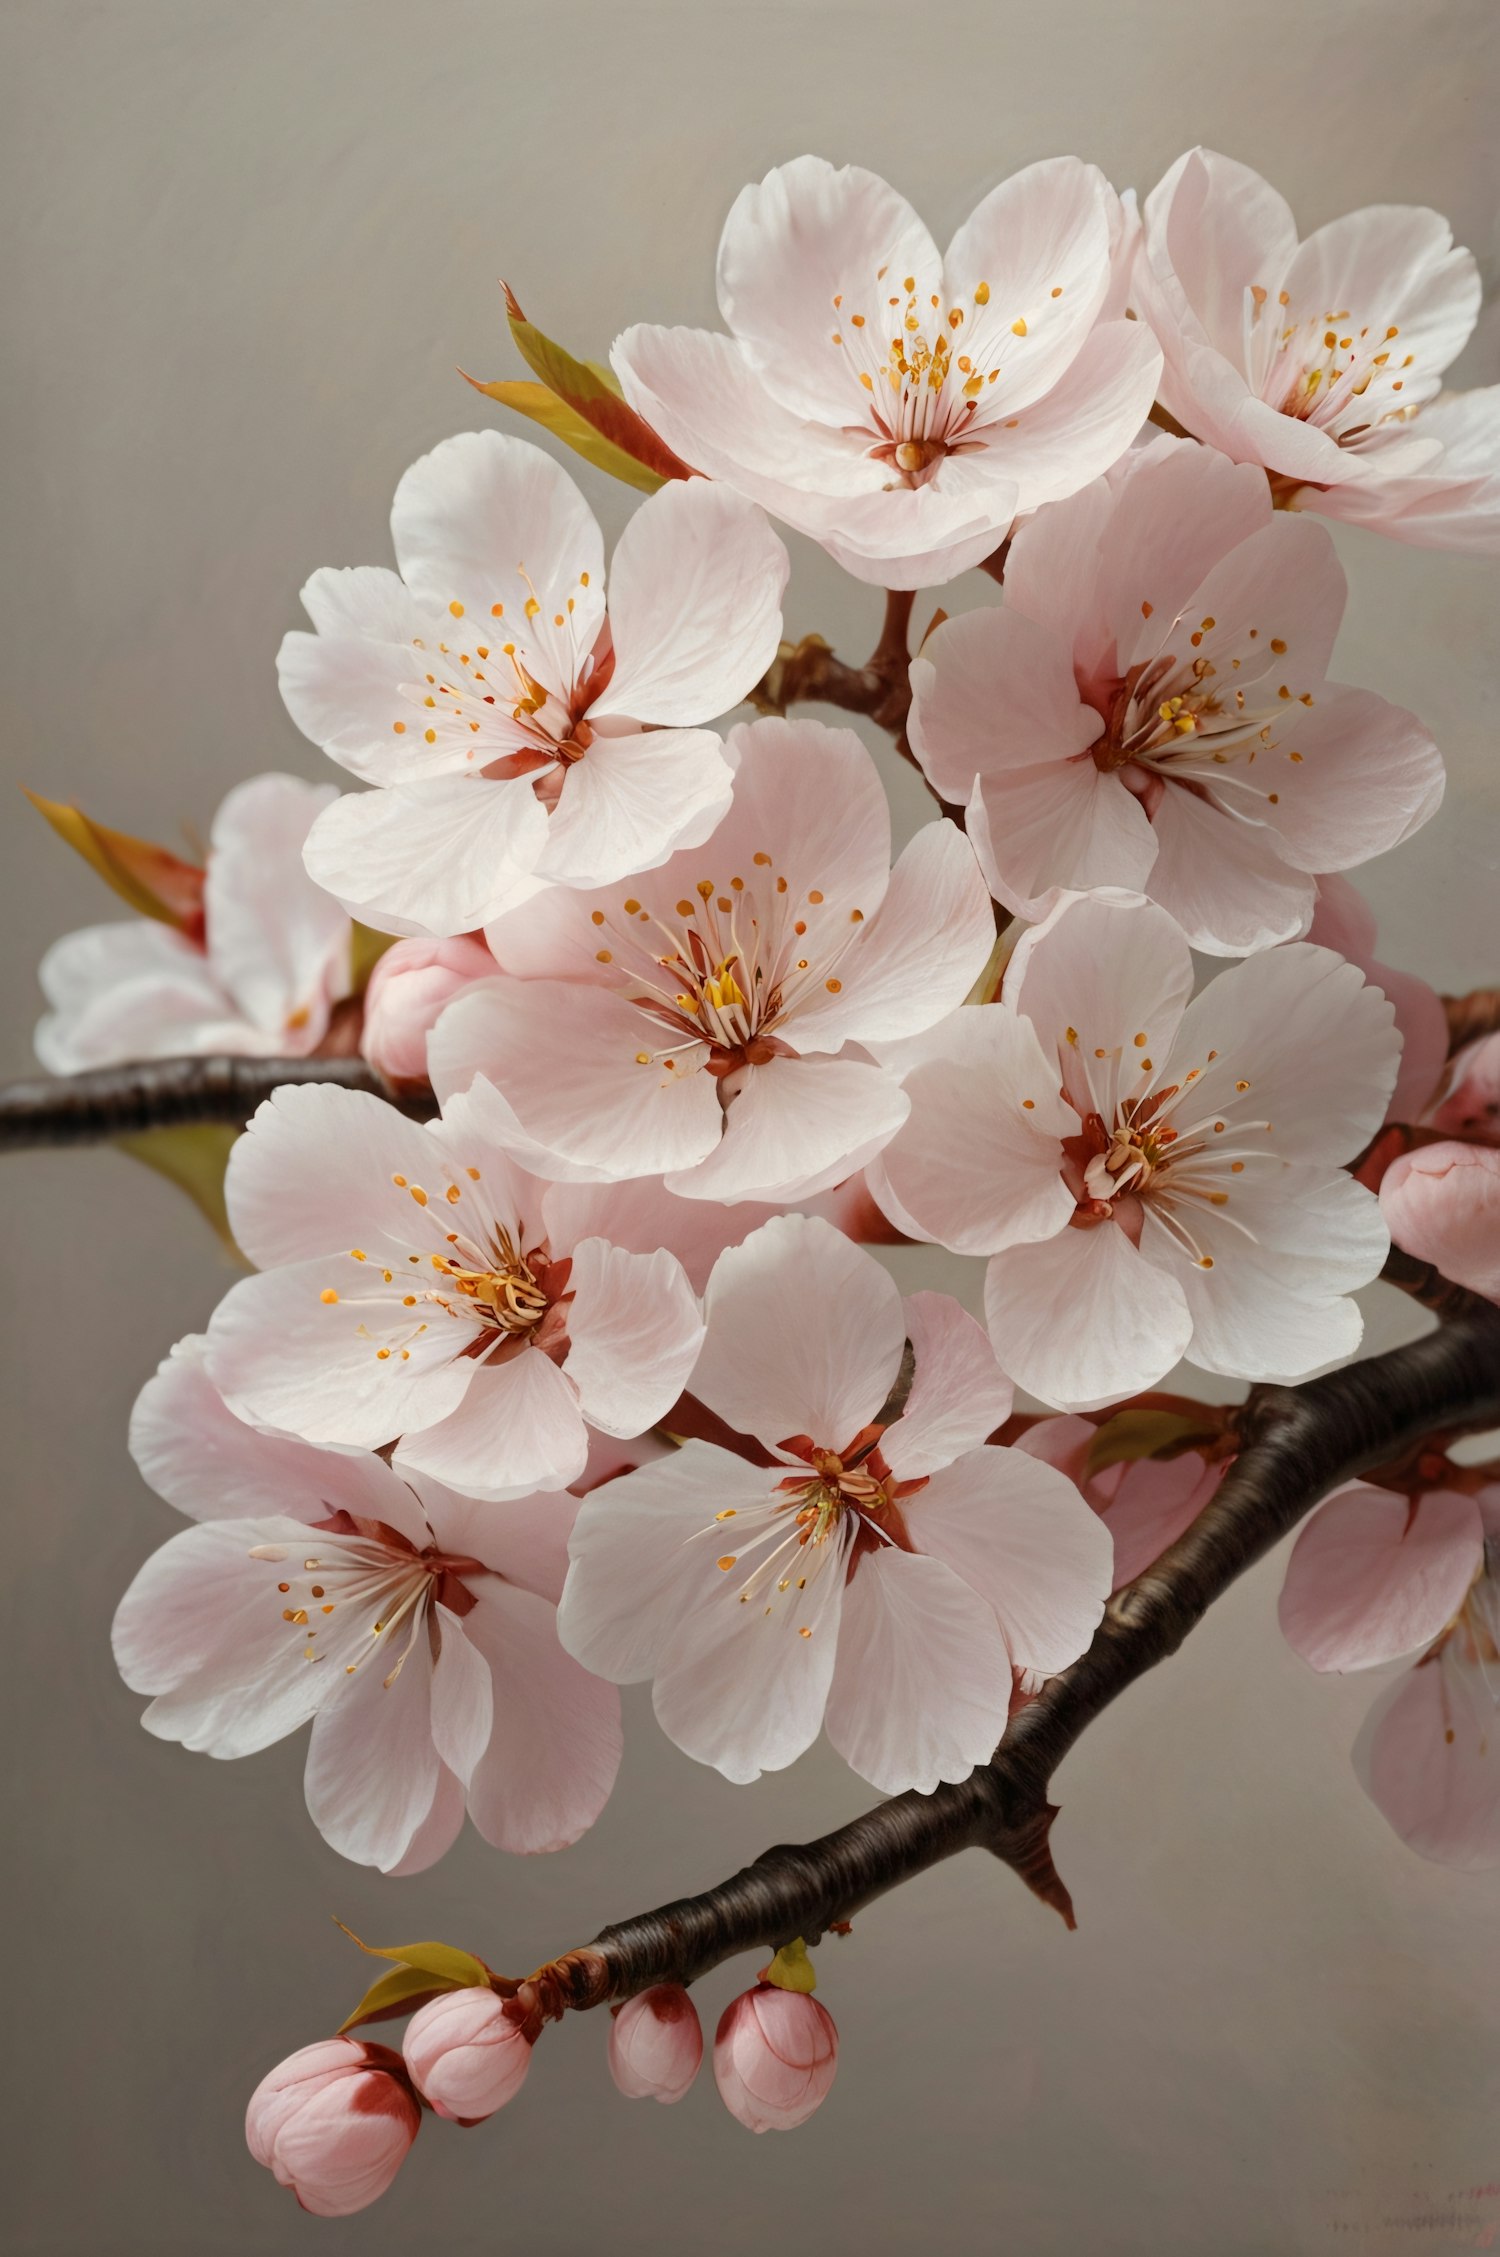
{"points": [[587, 1380]]}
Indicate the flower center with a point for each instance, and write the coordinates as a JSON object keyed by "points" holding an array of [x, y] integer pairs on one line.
{"points": [[503, 1292], [1204, 716], [1325, 369]]}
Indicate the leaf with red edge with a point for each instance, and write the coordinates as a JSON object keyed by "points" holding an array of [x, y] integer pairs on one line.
{"points": [[565, 423], [151, 881]]}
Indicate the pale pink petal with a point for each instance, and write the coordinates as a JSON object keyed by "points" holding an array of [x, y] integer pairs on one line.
{"points": [[133, 991], [1039, 244], [1156, 1501], [313, 1174], [438, 1831], [1442, 1204], [811, 797], [1061, 826], [793, 246], [694, 605], [922, 1685], [278, 942], [643, 1215], [462, 1699], [486, 520], [1064, 1442], [372, 1770], [928, 943], [634, 1333], [343, 685], [797, 1126], [1101, 972], [899, 538], [1375, 1575], [1084, 424], [1344, 921], [632, 801], [1021, 1536], [1219, 230], [1397, 260], [1454, 503], [804, 1335], [1179, 508], [517, 1428], [992, 690], [442, 857], [525, 1539], [958, 1394], [1224, 879], [1084, 1319], [1429, 1759], [555, 1745]]}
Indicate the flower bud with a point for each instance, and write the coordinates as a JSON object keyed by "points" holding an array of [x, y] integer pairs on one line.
{"points": [[409, 987], [333, 2123], [466, 2054], [656, 2044], [1442, 1204], [775, 2053]]}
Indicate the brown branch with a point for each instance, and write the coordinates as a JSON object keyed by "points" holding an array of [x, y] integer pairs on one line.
{"points": [[808, 673], [1470, 1016], [1427, 1284], [116, 1101], [1295, 1445]]}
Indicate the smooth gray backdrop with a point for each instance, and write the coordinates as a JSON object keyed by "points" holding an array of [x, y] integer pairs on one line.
{"points": [[246, 246]]}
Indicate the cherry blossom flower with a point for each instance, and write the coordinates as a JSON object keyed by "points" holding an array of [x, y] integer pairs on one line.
{"points": [[1344, 921], [1145, 1503], [520, 737], [775, 2056], [1181, 1194], [419, 1287], [885, 1575], [698, 1022], [656, 2044], [1442, 1204], [334, 2123], [413, 1627], [1322, 362], [1149, 708], [1375, 1576], [900, 405], [468, 2054], [260, 982], [407, 992]]}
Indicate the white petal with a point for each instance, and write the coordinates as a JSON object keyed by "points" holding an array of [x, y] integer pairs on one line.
{"points": [[555, 1744], [462, 1701], [634, 1333], [798, 1126], [316, 1173], [1100, 971], [959, 1394], [929, 942], [517, 1428], [1084, 1319], [440, 857], [372, 1770], [279, 944], [630, 802], [922, 1687]]}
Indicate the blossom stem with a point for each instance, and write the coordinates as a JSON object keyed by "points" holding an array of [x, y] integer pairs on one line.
{"points": [[1295, 1444]]}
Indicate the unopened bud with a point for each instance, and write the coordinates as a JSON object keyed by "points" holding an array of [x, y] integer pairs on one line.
{"points": [[1442, 1204], [466, 2054], [409, 988], [334, 2123], [775, 2053], [656, 2044]]}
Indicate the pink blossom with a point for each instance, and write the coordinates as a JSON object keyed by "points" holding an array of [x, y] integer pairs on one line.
{"points": [[415, 1628], [409, 987], [775, 2056], [1145, 1504], [901, 405], [468, 2054], [273, 961], [1182, 1193], [334, 2123], [885, 1574], [1375, 1576], [1442, 1204], [1322, 362], [419, 1287], [1150, 709], [1344, 922], [701, 1022], [656, 2044], [518, 737]]}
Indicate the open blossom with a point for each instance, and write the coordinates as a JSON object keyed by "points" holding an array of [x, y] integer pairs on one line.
{"points": [[900, 404], [883, 1575], [1344, 921], [775, 2056], [1375, 1576], [1442, 1204], [1145, 1503], [699, 1022], [415, 1628], [410, 987], [521, 737], [258, 979], [334, 2123], [1149, 708], [1323, 361], [1181, 1193], [419, 1287]]}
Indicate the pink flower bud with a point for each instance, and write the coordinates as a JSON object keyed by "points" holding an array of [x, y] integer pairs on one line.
{"points": [[407, 990], [1442, 1203], [775, 2053], [656, 2044], [333, 2123], [467, 2056]]}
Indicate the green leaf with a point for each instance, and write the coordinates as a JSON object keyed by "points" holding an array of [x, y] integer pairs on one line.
{"points": [[1134, 1434], [402, 1991], [791, 1969], [193, 1157], [455, 1969], [366, 947], [553, 414], [151, 881]]}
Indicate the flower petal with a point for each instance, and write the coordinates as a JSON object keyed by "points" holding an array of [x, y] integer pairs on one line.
{"points": [[958, 1394], [630, 802], [436, 858], [1374, 1575], [922, 1686], [517, 1428], [797, 1127], [278, 942], [634, 1334], [372, 1770], [1429, 1759], [1084, 1319], [555, 1745]]}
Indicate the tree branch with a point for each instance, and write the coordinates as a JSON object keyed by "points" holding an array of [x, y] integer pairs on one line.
{"points": [[115, 1101], [1295, 1445]]}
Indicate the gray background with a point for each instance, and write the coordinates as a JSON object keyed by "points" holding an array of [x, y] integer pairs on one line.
{"points": [[247, 245]]}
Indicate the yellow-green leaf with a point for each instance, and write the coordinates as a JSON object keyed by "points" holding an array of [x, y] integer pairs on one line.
{"points": [[366, 947], [1146, 1434], [454, 1968], [151, 881], [402, 1991], [791, 1969], [194, 1157], [553, 414], [592, 394]]}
